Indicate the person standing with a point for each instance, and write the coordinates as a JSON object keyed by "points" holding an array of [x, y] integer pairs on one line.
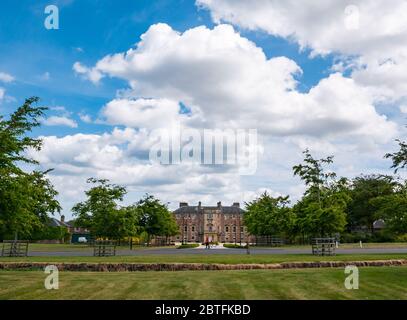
{"points": [[206, 243]]}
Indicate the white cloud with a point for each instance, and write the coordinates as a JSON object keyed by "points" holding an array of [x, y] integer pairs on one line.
{"points": [[91, 74], [60, 121], [228, 82], [85, 118], [142, 113], [2, 93], [5, 77], [372, 32], [110, 156]]}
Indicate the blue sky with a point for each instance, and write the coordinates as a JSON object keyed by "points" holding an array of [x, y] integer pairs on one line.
{"points": [[90, 30], [354, 112]]}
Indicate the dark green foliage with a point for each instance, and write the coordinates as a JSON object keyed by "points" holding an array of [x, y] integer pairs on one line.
{"points": [[363, 209], [102, 215], [154, 218], [26, 198], [322, 210], [269, 216]]}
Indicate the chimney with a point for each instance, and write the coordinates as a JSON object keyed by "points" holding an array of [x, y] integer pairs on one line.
{"points": [[183, 204], [236, 204], [219, 204], [62, 218]]}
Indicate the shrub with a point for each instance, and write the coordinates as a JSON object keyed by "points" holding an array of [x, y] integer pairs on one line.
{"points": [[402, 238]]}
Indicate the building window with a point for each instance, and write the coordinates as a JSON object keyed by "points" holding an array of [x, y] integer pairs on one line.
{"points": [[193, 228], [227, 229], [234, 229], [186, 228], [210, 229], [193, 237], [241, 229]]}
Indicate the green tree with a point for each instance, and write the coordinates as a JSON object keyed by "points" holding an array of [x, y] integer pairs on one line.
{"points": [[269, 216], [26, 198], [399, 158], [100, 211], [322, 210], [154, 218], [362, 210], [393, 210]]}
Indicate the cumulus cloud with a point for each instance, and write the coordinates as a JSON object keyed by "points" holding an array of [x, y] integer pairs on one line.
{"points": [[110, 156], [85, 117], [228, 82], [60, 121], [2, 93], [142, 113], [5, 77], [373, 33], [223, 80], [91, 74]]}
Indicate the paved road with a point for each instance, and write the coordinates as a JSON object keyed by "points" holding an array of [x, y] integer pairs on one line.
{"points": [[215, 251]]}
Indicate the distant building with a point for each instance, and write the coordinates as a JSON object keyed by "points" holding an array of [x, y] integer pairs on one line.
{"points": [[53, 222], [214, 223], [77, 232]]}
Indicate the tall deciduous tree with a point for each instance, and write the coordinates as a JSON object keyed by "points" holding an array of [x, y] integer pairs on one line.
{"points": [[26, 198], [100, 211], [322, 210], [154, 218]]}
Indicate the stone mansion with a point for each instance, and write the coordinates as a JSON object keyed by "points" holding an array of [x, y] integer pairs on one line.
{"points": [[214, 223]]}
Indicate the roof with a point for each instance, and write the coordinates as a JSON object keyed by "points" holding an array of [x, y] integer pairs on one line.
{"points": [[53, 222], [200, 209]]}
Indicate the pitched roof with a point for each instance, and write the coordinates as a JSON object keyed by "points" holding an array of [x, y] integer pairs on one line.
{"points": [[196, 209], [53, 222]]}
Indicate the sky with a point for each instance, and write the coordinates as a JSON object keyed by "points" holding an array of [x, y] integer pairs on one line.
{"points": [[328, 76]]}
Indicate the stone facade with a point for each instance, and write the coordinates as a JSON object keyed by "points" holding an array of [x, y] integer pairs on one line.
{"points": [[215, 223]]}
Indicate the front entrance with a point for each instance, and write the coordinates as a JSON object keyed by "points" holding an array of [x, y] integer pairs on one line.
{"points": [[211, 236]]}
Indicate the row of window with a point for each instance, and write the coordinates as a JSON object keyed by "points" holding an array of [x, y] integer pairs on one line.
{"points": [[210, 229], [208, 216]]}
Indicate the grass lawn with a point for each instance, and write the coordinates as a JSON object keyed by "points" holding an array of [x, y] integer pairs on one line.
{"points": [[375, 283], [209, 258]]}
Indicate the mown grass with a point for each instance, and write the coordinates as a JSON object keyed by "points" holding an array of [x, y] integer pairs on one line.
{"points": [[375, 283], [207, 258]]}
